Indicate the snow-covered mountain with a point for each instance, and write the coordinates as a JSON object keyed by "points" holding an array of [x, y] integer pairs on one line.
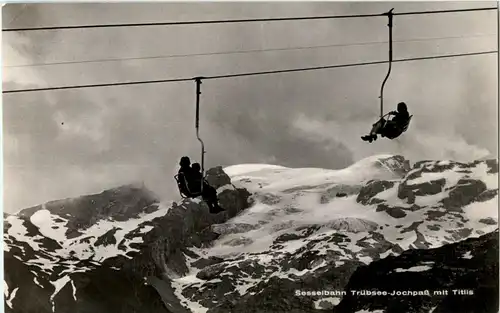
{"points": [[291, 240]]}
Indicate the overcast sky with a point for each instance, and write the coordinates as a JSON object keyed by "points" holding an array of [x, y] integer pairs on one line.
{"points": [[61, 144]]}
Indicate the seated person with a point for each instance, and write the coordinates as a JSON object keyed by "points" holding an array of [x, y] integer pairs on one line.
{"points": [[209, 193], [195, 182], [185, 175], [391, 128], [191, 179]]}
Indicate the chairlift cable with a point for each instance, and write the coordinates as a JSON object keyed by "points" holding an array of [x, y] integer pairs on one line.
{"points": [[232, 52], [250, 20], [305, 69]]}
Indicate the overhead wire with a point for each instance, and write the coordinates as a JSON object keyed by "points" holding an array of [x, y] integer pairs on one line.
{"points": [[445, 11], [159, 57], [243, 21], [349, 65], [249, 20], [143, 82]]}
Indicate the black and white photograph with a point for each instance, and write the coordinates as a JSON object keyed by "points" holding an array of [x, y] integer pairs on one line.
{"points": [[250, 157]]}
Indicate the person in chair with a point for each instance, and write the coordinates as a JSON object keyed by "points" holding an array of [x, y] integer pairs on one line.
{"points": [[191, 180], [390, 128], [209, 193]]}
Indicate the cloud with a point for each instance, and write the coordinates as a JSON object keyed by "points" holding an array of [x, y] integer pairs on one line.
{"points": [[66, 143], [12, 55], [414, 146]]}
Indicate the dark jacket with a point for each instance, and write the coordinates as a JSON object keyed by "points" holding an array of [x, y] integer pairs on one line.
{"points": [[196, 179], [188, 177], [400, 117]]}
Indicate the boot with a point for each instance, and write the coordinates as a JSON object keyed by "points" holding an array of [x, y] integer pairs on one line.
{"points": [[369, 138], [218, 208], [215, 208]]}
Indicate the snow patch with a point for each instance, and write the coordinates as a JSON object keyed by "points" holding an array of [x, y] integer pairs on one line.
{"points": [[11, 297], [482, 210], [146, 229], [20, 232], [332, 300], [419, 268], [37, 282], [467, 255], [243, 169], [225, 187], [123, 228], [365, 259], [74, 289], [51, 226], [386, 254], [58, 285], [178, 285]]}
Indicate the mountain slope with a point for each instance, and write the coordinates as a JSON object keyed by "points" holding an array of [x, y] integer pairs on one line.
{"points": [[316, 227], [55, 263], [284, 230], [435, 280]]}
